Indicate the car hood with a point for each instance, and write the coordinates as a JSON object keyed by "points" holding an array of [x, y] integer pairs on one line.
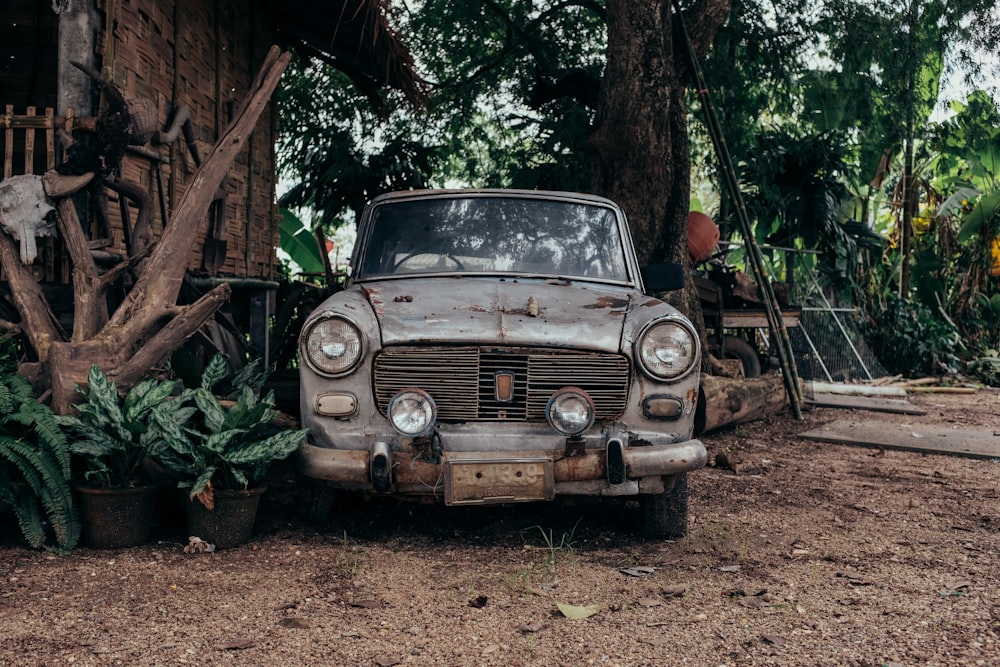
{"points": [[556, 313]]}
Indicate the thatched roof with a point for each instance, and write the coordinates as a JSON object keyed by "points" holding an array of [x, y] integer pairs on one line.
{"points": [[353, 36]]}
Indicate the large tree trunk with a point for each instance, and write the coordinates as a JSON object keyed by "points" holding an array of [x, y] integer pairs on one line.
{"points": [[640, 144]]}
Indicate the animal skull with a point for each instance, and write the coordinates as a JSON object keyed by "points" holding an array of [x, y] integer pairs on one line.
{"points": [[25, 202]]}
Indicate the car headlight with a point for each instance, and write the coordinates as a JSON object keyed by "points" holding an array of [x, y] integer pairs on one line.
{"points": [[570, 411], [333, 346], [668, 349], [412, 412]]}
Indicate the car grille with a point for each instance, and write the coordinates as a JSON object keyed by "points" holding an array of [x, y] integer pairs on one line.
{"points": [[462, 379]]}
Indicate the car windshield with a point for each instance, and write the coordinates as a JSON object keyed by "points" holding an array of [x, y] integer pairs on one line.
{"points": [[490, 235]]}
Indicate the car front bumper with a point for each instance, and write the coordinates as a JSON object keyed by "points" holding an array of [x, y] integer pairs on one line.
{"points": [[611, 464]]}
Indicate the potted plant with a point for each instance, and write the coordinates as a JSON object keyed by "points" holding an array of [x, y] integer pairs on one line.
{"points": [[34, 465], [222, 455], [110, 438]]}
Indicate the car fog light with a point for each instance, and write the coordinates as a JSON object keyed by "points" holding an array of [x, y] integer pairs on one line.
{"points": [[412, 412], [570, 411]]}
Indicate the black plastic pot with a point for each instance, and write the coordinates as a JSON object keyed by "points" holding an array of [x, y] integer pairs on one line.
{"points": [[231, 523], [116, 518]]}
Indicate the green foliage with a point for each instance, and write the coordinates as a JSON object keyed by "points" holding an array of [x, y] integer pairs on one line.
{"points": [[515, 87], [224, 446], [35, 467], [987, 368], [911, 339], [952, 257], [799, 199], [338, 150], [113, 435], [299, 242]]}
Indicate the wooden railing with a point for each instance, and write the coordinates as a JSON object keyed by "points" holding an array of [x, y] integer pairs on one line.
{"points": [[28, 144]]}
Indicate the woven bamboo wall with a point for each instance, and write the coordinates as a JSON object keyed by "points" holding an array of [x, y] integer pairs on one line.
{"points": [[202, 55]]}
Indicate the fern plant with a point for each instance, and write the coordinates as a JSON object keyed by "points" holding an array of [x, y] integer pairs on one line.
{"points": [[227, 445], [35, 468], [113, 435]]}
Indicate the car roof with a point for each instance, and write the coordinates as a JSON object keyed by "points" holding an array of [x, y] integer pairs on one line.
{"points": [[492, 192]]}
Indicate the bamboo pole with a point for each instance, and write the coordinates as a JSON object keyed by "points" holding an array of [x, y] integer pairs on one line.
{"points": [[775, 321]]}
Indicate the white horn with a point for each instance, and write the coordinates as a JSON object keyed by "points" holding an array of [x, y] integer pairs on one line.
{"points": [[56, 185]]}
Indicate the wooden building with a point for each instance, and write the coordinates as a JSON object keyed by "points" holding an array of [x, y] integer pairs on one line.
{"points": [[168, 58]]}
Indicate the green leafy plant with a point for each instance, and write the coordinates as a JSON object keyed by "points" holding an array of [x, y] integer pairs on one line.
{"points": [[113, 435], [35, 467], [225, 444], [910, 338]]}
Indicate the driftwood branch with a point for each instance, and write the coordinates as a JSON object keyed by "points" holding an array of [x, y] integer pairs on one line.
{"points": [[90, 309], [172, 336], [37, 319], [149, 325], [142, 231]]}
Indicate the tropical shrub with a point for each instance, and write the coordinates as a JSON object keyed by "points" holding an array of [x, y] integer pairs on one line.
{"points": [[911, 339], [113, 435], [226, 444]]}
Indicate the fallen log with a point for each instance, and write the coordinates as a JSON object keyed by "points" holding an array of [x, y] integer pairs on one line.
{"points": [[942, 390], [723, 401]]}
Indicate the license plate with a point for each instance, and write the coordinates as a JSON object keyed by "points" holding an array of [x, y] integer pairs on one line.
{"points": [[489, 481]]}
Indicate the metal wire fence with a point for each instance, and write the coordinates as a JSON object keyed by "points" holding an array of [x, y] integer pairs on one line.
{"points": [[829, 346]]}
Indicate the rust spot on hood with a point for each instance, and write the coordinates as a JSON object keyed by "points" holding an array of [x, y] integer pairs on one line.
{"points": [[374, 297], [608, 302], [652, 302]]}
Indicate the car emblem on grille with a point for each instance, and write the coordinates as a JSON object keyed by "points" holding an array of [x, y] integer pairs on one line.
{"points": [[503, 383]]}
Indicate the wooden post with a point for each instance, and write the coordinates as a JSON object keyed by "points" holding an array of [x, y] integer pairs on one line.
{"points": [[76, 42]]}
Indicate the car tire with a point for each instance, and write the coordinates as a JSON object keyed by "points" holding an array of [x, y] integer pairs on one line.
{"points": [[665, 515], [737, 348]]}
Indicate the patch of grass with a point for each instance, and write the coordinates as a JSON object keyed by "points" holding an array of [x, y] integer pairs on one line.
{"points": [[348, 560], [555, 551]]}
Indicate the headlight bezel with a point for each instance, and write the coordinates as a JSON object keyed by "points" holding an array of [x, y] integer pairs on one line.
{"points": [[645, 357], [357, 348], [426, 404], [559, 423]]}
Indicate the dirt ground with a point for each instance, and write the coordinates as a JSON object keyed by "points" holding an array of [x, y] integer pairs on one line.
{"points": [[805, 554]]}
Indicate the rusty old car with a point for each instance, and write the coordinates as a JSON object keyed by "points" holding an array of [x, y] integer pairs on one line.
{"points": [[502, 346]]}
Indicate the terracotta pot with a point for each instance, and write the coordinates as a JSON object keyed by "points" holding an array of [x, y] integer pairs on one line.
{"points": [[230, 524], [703, 236], [116, 518]]}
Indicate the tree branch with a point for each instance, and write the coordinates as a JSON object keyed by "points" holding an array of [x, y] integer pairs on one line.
{"points": [[37, 319], [90, 310], [171, 336]]}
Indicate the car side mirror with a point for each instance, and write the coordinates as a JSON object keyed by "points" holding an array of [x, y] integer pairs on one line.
{"points": [[666, 277]]}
